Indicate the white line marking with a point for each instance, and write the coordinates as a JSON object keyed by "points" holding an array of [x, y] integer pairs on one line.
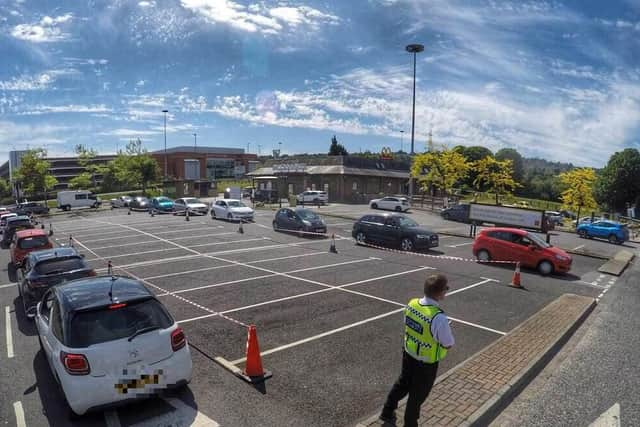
{"points": [[7, 318], [17, 408], [475, 325], [155, 241], [84, 236], [111, 418], [175, 238], [460, 244], [471, 286], [577, 247], [8, 285]]}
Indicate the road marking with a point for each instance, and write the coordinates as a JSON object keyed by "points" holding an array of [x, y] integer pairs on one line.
{"points": [[195, 417], [7, 318], [203, 244], [176, 238], [609, 418], [577, 247], [8, 285], [111, 418], [475, 325], [17, 408], [592, 284], [471, 286], [460, 244]]}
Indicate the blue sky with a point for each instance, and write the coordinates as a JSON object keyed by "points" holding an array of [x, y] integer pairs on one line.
{"points": [[553, 79]]}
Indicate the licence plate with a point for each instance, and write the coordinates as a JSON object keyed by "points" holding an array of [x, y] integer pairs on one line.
{"points": [[136, 383]]}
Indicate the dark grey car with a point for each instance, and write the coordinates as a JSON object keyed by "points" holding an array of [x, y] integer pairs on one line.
{"points": [[456, 213], [299, 219], [139, 203], [394, 230]]}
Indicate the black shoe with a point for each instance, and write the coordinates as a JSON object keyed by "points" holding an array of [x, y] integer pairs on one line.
{"points": [[388, 418]]}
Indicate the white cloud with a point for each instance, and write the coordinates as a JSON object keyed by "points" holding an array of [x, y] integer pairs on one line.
{"points": [[71, 108], [125, 132], [46, 30], [145, 3], [18, 136], [26, 82]]}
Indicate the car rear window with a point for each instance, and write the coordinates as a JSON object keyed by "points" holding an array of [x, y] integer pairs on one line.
{"points": [[20, 223], [57, 266], [33, 242], [106, 324]]}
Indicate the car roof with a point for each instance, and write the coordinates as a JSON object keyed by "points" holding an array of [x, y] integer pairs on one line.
{"points": [[385, 214], [231, 200], [18, 218], [8, 215], [48, 254], [93, 292], [33, 232]]}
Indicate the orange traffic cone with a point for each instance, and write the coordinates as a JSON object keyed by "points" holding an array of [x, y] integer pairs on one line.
{"points": [[253, 371], [515, 281]]}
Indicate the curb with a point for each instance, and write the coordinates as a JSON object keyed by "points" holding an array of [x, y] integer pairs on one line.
{"points": [[508, 393]]}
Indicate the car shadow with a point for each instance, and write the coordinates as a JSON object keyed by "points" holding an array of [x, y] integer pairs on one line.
{"points": [[25, 325]]}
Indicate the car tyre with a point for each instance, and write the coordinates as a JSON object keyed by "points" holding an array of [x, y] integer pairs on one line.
{"points": [[407, 244], [398, 208], [545, 268], [483, 255], [229, 217], [613, 239], [275, 226], [213, 214], [374, 206], [361, 238], [583, 234], [446, 216]]}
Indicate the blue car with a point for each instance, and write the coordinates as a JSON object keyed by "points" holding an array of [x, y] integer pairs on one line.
{"points": [[613, 231], [162, 204]]}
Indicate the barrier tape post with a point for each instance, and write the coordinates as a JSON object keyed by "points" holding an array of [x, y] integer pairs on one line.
{"points": [[50, 230], [129, 211], [71, 241], [332, 247], [186, 215], [240, 229], [109, 268]]}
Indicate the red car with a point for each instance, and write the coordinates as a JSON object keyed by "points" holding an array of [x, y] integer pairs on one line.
{"points": [[513, 244], [26, 241]]}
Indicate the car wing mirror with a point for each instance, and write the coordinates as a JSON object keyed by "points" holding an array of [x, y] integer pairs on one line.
{"points": [[82, 255]]}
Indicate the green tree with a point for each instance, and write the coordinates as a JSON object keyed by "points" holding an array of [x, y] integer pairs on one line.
{"points": [[619, 182], [515, 157], [496, 175], [33, 174], [137, 167], [439, 169], [5, 189], [472, 154], [579, 184], [337, 149], [86, 159]]}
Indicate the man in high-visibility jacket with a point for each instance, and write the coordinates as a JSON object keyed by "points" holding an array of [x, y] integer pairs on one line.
{"points": [[427, 338]]}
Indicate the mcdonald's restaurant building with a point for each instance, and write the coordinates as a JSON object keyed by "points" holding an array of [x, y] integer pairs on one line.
{"points": [[346, 179]]}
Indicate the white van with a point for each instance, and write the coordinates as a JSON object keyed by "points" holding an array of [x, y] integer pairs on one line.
{"points": [[77, 199]]}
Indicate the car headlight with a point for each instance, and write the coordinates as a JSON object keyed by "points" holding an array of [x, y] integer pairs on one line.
{"points": [[562, 258], [305, 222], [423, 236]]}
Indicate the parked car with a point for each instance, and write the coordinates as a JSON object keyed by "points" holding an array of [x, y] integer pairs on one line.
{"points": [[298, 219], [77, 199], [17, 223], [194, 205], [247, 192], [4, 210], [46, 268], [554, 217], [231, 209], [393, 229], [456, 213], [613, 231], [31, 208], [567, 214], [588, 220], [108, 340], [398, 204], [139, 203], [162, 204], [26, 241], [313, 196], [121, 202], [3, 220], [514, 244]]}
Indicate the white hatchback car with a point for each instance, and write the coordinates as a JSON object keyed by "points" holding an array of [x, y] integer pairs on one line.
{"points": [[108, 340], [194, 205], [313, 196], [398, 204], [231, 209], [3, 220]]}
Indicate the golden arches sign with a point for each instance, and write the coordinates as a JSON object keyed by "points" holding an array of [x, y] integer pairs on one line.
{"points": [[386, 153]]}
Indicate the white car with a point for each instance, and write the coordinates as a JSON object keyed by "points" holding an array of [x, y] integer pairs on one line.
{"points": [[313, 196], [121, 202], [194, 205], [231, 209], [105, 349], [398, 204], [3, 220]]}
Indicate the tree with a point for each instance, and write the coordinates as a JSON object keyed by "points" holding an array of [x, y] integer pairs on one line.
{"points": [[472, 154], [136, 166], [83, 181], [619, 182], [86, 157], [33, 174], [439, 169], [516, 158], [497, 175], [579, 185], [5, 188], [337, 149]]}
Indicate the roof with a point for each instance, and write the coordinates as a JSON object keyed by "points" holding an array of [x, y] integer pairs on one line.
{"points": [[204, 150], [47, 254], [336, 170], [18, 218], [93, 292], [32, 232]]}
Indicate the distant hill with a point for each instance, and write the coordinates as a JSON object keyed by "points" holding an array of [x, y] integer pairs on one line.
{"points": [[541, 165]]}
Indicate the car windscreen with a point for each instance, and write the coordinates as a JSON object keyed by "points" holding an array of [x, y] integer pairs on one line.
{"points": [[306, 214], [538, 241], [60, 265], [163, 199], [109, 324], [33, 242], [407, 222], [192, 201], [236, 205]]}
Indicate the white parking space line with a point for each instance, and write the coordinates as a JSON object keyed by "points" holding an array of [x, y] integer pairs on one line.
{"points": [[111, 418], [472, 286], [475, 325], [460, 244], [9, 333], [177, 238], [8, 285], [19, 411], [106, 233], [577, 247], [189, 237]]}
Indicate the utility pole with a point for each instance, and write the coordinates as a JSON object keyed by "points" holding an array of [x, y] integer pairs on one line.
{"points": [[165, 143], [415, 49], [195, 141]]}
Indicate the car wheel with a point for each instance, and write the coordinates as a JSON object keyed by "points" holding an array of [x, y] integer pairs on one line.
{"points": [[398, 208], [545, 268], [446, 216], [213, 214], [582, 234], [229, 217], [483, 255], [275, 226], [407, 244], [613, 239], [374, 206], [361, 239]]}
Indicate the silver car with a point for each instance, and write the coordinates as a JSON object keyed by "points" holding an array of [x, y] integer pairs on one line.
{"points": [[194, 205], [121, 202]]}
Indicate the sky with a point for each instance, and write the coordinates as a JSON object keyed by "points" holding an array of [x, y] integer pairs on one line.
{"points": [[553, 79]]}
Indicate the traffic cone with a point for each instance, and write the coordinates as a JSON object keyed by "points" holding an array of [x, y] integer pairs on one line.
{"points": [[240, 229], [253, 371], [332, 248], [515, 281], [186, 215]]}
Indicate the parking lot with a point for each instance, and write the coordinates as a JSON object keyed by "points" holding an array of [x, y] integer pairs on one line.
{"points": [[329, 324]]}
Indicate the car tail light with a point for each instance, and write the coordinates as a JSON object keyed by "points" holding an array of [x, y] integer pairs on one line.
{"points": [[117, 306], [75, 364], [178, 339]]}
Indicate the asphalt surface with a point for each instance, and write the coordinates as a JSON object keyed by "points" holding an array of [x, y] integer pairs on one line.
{"points": [[329, 325]]}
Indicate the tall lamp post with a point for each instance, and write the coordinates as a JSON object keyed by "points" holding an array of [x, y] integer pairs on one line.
{"points": [[415, 49], [165, 143], [401, 140], [195, 142]]}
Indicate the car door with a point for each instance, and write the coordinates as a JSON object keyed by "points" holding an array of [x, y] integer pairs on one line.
{"points": [[597, 229], [43, 325], [391, 232], [292, 220], [179, 205]]}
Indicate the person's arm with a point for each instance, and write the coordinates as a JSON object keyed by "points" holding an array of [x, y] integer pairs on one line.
{"points": [[442, 331]]}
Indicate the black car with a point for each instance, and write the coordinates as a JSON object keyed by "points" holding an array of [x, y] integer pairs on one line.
{"points": [[17, 223], [395, 230], [139, 203], [298, 219], [47, 268], [28, 208], [456, 213]]}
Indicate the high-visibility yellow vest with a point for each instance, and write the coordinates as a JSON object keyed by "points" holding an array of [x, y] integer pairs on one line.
{"points": [[418, 340]]}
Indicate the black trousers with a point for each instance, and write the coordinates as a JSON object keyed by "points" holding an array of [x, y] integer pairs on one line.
{"points": [[416, 379]]}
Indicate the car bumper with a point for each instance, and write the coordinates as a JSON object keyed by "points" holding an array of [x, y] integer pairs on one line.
{"points": [[243, 217], [163, 208], [563, 268], [199, 211], [316, 229], [426, 243], [86, 393]]}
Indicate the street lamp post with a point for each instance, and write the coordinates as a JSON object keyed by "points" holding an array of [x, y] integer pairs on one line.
{"points": [[165, 143], [415, 49], [401, 140], [195, 142]]}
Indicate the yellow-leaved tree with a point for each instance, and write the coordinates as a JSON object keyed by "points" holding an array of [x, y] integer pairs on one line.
{"points": [[440, 169], [579, 185], [496, 175]]}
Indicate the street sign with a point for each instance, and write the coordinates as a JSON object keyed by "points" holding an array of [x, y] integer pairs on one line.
{"points": [[386, 153]]}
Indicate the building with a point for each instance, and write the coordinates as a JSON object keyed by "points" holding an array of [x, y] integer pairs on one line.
{"points": [[205, 163], [348, 179]]}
